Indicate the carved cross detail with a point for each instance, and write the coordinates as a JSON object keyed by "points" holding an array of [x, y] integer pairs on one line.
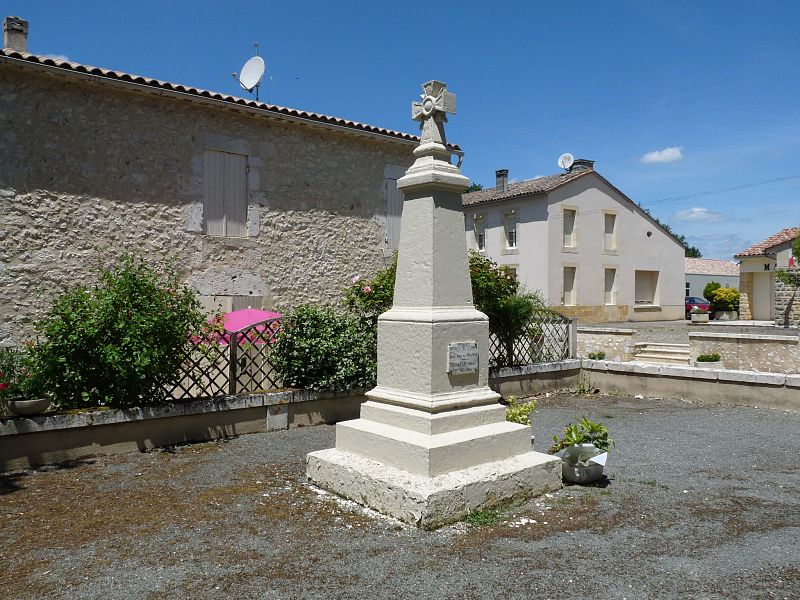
{"points": [[435, 99], [432, 111]]}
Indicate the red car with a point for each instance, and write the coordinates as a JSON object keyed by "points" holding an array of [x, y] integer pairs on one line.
{"points": [[692, 301]]}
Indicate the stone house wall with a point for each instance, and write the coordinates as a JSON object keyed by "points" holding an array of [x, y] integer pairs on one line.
{"points": [[89, 170], [745, 293], [787, 302]]}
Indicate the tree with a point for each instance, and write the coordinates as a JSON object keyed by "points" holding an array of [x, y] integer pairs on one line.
{"points": [[710, 290], [473, 187]]}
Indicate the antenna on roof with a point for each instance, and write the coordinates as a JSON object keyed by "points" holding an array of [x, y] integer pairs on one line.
{"points": [[565, 161], [252, 73]]}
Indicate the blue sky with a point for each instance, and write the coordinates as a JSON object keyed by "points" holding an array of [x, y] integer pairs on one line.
{"points": [[671, 99]]}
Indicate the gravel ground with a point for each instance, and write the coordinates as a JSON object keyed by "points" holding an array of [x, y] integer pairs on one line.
{"points": [[677, 332], [700, 502]]}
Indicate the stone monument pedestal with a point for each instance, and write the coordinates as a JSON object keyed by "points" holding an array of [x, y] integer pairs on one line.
{"points": [[432, 443]]}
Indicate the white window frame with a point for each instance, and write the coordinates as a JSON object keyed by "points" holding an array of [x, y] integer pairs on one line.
{"points": [[610, 297], [479, 232], [610, 248], [511, 235], [573, 299], [654, 284], [570, 245]]}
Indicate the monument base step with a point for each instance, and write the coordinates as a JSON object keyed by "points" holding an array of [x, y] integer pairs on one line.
{"points": [[430, 502]]}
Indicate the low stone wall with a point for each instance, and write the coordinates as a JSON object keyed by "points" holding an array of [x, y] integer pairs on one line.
{"points": [[49, 439], [749, 388], [617, 343], [763, 353], [529, 380]]}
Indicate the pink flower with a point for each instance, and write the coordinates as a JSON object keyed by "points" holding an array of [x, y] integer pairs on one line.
{"points": [[3, 386], [356, 278], [366, 289]]}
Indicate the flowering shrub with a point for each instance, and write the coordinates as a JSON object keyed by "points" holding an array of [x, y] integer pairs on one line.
{"points": [[120, 342], [318, 349], [725, 299], [373, 297]]}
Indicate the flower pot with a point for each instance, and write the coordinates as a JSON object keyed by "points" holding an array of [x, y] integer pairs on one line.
{"points": [[26, 408], [578, 473], [717, 364], [699, 317]]}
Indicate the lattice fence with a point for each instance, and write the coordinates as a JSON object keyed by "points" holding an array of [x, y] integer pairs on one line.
{"points": [[228, 363], [546, 338]]}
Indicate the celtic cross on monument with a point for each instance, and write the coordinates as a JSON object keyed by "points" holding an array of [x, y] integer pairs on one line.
{"points": [[432, 111]]}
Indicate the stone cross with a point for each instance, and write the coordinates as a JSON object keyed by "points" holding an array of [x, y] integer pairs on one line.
{"points": [[432, 111]]}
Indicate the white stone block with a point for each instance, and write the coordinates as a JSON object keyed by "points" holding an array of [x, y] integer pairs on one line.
{"points": [[277, 417], [431, 502]]}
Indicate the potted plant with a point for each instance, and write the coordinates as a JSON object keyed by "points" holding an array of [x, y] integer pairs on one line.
{"points": [[698, 315], [519, 412], [18, 384], [708, 361], [582, 450]]}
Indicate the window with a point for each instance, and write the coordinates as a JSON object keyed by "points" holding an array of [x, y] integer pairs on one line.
{"points": [[512, 270], [688, 289], [610, 290], [511, 231], [225, 193], [394, 213], [610, 231], [646, 287], [570, 239], [479, 228], [569, 297]]}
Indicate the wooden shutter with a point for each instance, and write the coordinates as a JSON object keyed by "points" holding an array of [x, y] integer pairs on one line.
{"points": [[394, 212], [225, 193]]}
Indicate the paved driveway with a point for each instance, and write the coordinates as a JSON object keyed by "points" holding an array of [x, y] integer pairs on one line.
{"points": [[701, 502]]}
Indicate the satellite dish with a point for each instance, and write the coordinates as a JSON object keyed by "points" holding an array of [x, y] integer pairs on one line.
{"points": [[565, 161], [252, 72]]}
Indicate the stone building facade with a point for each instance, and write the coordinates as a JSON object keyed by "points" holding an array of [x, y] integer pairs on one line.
{"points": [[94, 163], [787, 301]]}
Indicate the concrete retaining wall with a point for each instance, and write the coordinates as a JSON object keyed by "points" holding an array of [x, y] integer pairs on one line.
{"points": [[529, 380], [617, 343], [772, 390], [770, 353], [49, 439]]}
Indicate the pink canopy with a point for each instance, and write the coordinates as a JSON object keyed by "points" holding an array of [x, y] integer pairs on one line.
{"points": [[240, 319]]}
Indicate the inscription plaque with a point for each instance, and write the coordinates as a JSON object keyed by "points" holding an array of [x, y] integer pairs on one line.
{"points": [[462, 357]]}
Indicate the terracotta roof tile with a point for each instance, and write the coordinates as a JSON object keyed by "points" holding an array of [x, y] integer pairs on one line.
{"points": [[711, 266], [523, 188], [69, 66], [759, 249]]}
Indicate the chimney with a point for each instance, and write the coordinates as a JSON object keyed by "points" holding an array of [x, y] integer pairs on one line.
{"points": [[582, 164], [15, 34], [501, 181]]}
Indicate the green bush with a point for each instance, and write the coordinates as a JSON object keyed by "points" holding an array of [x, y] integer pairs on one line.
{"points": [[713, 357], [318, 349], [120, 342], [18, 377], [710, 289], [597, 355], [725, 299]]}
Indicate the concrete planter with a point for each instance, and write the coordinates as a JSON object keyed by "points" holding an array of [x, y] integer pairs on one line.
{"points": [[27, 408], [581, 473], [717, 364], [699, 317]]}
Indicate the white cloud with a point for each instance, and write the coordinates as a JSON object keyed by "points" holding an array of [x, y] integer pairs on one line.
{"points": [[667, 155], [700, 215], [56, 56], [720, 245]]}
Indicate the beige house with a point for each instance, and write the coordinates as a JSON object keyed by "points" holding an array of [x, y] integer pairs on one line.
{"points": [[262, 205], [583, 243], [702, 271], [757, 276]]}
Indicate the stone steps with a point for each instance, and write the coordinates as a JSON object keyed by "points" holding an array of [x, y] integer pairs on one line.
{"points": [[663, 353]]}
